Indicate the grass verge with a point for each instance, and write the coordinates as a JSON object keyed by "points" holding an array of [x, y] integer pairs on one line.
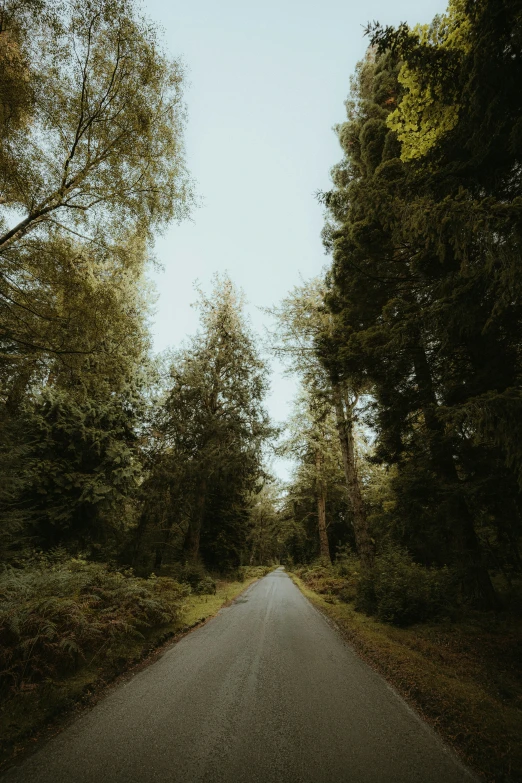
{"points": [[463, 678], [38, 711]]}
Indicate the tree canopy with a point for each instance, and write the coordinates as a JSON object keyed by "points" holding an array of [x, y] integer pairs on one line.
{"points": [[423, 218], [91, 165], [407, 348]]}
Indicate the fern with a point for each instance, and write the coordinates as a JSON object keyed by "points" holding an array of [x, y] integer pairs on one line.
{"points": [[59, 612]]}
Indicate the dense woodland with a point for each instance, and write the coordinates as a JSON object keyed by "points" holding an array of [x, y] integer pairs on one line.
{"points": [[416, 327], [130, 478]]}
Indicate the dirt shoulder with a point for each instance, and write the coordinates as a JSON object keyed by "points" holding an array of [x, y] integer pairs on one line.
{"points": [[463, 678]]}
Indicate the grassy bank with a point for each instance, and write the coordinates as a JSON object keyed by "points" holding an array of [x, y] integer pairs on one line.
{"points": [[463, 677], [35, 707]]}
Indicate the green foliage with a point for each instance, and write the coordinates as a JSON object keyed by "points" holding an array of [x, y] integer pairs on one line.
{"points": [[429, 108], [212, 429], [349, 567], [322, 431], [96, 109], [396, 590], [313, 442], [103, 114], [91, 162], [84, 467], [57, 613], [323, 579], [242, 573], [340, 579], [206, 586], [268, 532], [193, 574], [402, 592], [15, 478], [424, 227]]}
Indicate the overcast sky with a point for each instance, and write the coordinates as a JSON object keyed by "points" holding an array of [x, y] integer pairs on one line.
{"points": [[266, 83]]}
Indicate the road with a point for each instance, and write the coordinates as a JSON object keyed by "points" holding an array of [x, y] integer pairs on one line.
{"points": [[266, 692]]}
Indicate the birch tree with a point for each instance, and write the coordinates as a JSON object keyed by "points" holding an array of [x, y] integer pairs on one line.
{"points": [[91, 162]]}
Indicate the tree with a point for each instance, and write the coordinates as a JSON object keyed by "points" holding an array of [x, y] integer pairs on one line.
{"points": [[307, 338], [91, 164], [82, 424], [417, 290], [101, 145], [91, 161], [316, 501], [215, 426], [267, 537]]}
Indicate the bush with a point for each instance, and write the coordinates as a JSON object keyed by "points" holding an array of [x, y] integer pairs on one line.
{"points": [[255, 572], [322, 579], [402, 592], [191, 573], [206, 586], [348, 566], [396, 590], [314, 572], [242, 573], [55, 614], [194, 575]]}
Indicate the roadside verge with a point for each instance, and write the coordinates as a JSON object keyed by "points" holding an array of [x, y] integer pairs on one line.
{"points": [[456, 678], [35, 713]]}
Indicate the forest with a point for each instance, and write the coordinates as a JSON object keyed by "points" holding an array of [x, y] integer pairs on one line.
{"points": [[132, 482]]}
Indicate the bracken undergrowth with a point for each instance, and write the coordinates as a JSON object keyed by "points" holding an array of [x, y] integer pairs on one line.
{"points": [[59, 613]]}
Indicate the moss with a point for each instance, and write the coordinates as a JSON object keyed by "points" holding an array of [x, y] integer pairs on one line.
{"points": [[462, 677]]}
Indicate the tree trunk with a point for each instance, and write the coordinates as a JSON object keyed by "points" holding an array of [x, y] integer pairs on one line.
{"points": [[363, 541], [158, 559], [165, 532], [469, 554], [324, 547], [192, 539]]}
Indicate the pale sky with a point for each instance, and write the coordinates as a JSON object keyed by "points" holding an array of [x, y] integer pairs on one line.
{"points": [[266, 84]]}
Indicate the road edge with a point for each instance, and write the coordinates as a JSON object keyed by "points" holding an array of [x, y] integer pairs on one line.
{"points": [[357, 645], [98, 689]]}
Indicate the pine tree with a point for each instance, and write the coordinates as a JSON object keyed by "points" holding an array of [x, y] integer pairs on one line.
{"points": [[214, 428], [414, 303]]}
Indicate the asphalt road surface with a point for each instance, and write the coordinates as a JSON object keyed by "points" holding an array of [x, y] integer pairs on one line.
{"points": [[265, 692]]}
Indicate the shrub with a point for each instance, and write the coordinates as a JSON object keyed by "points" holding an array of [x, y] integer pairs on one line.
{"points": [[399, 591], [242, 573], [348, 566], [206, 586], [314, 572], [194, 575], [324, 580], [191, 573], [255, 572], [347, 594], [56, 614]]}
